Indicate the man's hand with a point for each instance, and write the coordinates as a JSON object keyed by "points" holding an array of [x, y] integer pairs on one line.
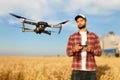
{"points": [[77, 48], [88, 49]]}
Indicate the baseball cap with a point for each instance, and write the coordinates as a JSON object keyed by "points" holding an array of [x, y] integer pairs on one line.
{"points": [[80, 16]]}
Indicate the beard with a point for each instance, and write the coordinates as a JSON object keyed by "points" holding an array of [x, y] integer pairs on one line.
{"points": [[82, 27]]}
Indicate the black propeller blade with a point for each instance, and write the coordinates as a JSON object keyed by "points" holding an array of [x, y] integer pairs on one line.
{"points": [[17, 16], [64, 22]]}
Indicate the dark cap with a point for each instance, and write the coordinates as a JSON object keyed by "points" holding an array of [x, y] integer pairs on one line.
{"points": [[80, 16]]}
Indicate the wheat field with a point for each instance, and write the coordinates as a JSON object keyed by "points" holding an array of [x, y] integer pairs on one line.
{"points": [[52, 68]]}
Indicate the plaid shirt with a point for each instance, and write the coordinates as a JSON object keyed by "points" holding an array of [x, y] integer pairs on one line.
{"points": [[92, 41]]}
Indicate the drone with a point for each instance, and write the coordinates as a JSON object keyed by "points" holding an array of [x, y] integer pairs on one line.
{"points": [[40, 27]]}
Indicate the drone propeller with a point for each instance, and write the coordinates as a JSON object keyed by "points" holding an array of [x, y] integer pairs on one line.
{"points": [[64, 22], [17, 16]]}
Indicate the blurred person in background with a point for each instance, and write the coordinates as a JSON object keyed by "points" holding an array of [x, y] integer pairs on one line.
{"points": [[83, 46]]}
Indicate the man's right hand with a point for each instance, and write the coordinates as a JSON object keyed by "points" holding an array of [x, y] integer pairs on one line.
{"points": [[77, 48]]}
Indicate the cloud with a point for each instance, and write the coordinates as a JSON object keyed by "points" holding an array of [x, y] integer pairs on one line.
{"points": [[52, 9], [31, 7], [98, 7]]}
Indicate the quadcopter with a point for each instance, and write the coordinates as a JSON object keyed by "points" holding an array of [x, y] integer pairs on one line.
{"points": [[40, 27]]}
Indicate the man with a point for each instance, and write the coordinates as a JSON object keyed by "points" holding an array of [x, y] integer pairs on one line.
{"points": [[83, 46]]}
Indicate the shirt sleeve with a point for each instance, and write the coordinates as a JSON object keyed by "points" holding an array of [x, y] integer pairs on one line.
{"points": [[70, 47], [97, 48]]}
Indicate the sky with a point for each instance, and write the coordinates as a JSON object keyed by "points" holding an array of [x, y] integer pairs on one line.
{"points": [[103, 16]]}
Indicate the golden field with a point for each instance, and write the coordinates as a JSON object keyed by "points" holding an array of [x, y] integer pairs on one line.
{"points": [[52, 68]]}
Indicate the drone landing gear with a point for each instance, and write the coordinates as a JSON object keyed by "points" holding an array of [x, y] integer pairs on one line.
{"points": [[47, 32]]}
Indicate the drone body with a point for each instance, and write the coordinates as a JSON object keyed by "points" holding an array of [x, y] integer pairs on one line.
{"points": [[39, 26]]}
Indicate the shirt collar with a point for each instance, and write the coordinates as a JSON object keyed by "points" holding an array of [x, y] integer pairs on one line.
{"points": [[87, 32]]}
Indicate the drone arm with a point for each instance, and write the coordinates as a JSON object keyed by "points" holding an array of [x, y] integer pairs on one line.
{"points": [[30, 30], [55, 26], [25, 29], [59, 25], [29, 22]]}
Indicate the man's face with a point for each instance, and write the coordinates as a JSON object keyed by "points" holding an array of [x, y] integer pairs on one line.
{"points": [[81, 23]]}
